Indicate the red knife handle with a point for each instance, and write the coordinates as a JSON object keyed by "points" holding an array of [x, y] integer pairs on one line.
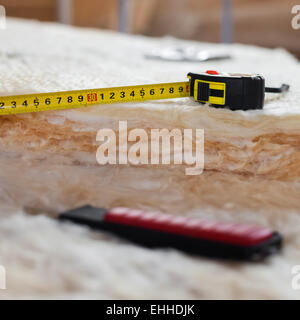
{"points": [[193, 235]]}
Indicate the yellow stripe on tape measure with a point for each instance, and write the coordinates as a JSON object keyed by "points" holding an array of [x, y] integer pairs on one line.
{"points": [[82, 98]]}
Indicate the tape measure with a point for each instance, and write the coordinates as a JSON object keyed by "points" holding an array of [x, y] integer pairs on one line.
{"points": [[220, 90]]}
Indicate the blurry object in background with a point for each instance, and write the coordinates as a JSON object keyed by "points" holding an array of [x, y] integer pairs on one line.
{"points": [[189, 53], [188, 19], [44, 10], [266, 23], [64, 11], [124, 14], [96, 13], [227, 21], [2, 17]]}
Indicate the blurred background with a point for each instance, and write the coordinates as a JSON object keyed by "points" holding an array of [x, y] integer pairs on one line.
{"points": [[261, 22]]}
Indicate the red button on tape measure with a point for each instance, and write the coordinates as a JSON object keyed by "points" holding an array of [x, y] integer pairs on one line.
{"points": [[193, 235], [211, 72]]}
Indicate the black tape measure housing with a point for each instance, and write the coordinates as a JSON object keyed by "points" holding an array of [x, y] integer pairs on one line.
{"points": [[237, 92]]}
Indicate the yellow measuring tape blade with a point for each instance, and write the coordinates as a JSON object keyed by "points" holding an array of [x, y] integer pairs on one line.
{"points": [[83, 98]]}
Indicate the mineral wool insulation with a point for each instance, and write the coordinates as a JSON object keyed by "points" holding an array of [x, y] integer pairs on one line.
{"points": [[48, 163]]}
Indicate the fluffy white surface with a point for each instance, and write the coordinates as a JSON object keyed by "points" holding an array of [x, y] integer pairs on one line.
{"points": [[44, 259]]}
